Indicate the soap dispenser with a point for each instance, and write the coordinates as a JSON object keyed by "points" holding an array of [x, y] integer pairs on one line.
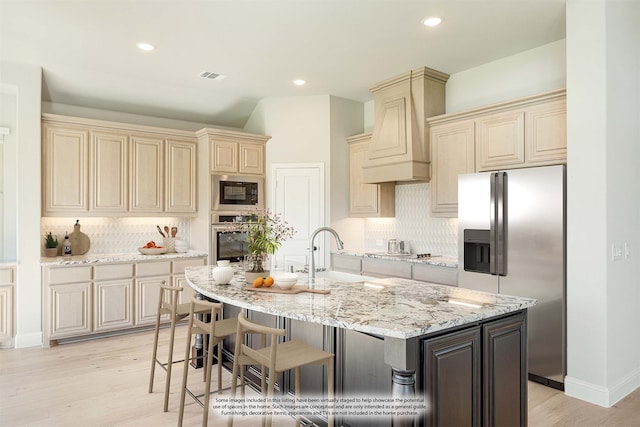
{"points": [[66, 245]]}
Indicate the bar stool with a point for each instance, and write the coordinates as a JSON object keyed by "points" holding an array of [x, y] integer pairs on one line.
{"points": [[278, 358], [167, 304], [217, 329]]}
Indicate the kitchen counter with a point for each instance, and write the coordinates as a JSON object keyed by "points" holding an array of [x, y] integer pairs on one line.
{"points": [[112, 258], [427, 335], [392, 307], [438, 260]]}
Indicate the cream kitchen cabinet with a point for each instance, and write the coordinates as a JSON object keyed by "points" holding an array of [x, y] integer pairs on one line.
{"points": [[65, 169], [234, 153], [98, 168], [367, 200], [106, 298], [452, 153], [525, 132], [69, 297], [7, 285], [149, 277], [178, 279], [113, 297]]}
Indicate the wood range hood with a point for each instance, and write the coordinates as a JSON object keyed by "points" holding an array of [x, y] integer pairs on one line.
{"points": [[399, 149]]}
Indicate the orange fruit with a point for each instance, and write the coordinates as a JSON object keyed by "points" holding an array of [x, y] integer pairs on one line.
{"points": [[258, 282], [268, 281]]}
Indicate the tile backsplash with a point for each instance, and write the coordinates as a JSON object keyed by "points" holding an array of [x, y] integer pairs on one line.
{"points": [[414, 225], [115, 235]]}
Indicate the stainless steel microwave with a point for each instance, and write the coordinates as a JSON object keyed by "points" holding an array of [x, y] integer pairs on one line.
{"points": [[232, 193]]}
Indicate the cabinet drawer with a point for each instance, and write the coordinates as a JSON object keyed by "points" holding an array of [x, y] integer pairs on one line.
{"points": [[6, 276], [113, 271], [179, 266], [153, 268], [68, 275], [435, 274], [386, 268], [346, 263]]}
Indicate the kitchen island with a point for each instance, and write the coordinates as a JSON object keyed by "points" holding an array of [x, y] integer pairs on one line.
{"points": [[463, 351]]}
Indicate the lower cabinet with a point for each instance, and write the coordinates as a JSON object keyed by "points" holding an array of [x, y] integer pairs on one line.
{"points": [[87, 300], [477, 376], [7, 283]]}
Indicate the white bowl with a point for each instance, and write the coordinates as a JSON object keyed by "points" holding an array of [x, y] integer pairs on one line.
{"points": [[152, 251], [288, 284]]}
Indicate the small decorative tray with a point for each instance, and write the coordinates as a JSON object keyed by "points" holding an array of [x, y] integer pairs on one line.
{"points": [[295, 290]]}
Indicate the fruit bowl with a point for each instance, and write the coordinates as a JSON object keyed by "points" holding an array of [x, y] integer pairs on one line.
{"points": [[153, 251]]}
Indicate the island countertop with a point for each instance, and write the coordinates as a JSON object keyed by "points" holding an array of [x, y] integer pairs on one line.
{"points": [[391, 307]]}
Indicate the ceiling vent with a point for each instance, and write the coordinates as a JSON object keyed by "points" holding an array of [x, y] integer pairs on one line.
{"points": [[211, 76]]}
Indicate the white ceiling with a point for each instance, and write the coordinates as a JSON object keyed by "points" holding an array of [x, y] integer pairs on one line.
{"points": [[341, 47]]}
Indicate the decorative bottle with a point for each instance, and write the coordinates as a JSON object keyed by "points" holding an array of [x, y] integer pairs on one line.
{"points": [[223, 273], [66, 245]]}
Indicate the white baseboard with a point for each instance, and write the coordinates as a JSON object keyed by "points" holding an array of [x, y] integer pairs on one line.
{"points": [[29, 340], [599, 395]]}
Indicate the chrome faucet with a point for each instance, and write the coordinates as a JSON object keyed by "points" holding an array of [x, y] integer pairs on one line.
{"points": [[312, 248]]}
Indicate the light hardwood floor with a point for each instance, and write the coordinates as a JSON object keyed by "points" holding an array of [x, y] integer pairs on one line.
{"points": [[104, 382]]}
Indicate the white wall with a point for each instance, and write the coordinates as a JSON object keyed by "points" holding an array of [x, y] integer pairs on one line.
{"points": [[8, 197], [26, 83], [603, 107]]}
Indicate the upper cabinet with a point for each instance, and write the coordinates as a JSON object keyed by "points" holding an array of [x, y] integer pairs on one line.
{"points": [[99, 168], [234, 153], [525, 132], [367, 200], [399, 149]]}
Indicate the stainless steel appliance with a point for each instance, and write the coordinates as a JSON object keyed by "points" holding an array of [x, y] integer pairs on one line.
{"points": [[511, 233], [227, 242], [233, 192]]}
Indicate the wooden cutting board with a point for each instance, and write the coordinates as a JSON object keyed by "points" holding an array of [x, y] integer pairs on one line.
{"points": [[80, 242], [295, 290]]}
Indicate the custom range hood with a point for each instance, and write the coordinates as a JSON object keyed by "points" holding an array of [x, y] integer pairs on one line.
{"points": [[399, 149]]}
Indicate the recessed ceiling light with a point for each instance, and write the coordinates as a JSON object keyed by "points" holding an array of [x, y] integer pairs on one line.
{"points": [[432, 21], [299, 82], [145, 46]]}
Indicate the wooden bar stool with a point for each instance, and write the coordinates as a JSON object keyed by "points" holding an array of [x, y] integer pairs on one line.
{"points": [[278, 357], [167, 304], [217, 329]]}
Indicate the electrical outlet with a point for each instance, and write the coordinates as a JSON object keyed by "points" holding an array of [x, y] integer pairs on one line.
{"points": [[617, 252], [626, 250]]}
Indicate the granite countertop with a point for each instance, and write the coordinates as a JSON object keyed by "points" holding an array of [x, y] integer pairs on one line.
{"points": [[120, 257], [438, 260], [391, 307]]}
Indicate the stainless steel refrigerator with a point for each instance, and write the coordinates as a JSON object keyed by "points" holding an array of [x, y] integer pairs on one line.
{"points": [[511, 232]]}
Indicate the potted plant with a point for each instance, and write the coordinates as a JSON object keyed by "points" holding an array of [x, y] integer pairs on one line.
{"points": [[51, 245], [266, 232]]}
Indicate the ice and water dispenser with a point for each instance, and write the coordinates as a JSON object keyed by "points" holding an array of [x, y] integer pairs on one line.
{"points": [[477, 246]]}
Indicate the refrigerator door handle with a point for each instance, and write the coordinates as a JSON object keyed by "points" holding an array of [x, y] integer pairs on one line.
{"points": [[493, 183], [501, 223]]}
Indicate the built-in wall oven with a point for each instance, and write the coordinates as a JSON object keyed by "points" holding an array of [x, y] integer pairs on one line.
{"points": [[227, 241], [232, 193]]}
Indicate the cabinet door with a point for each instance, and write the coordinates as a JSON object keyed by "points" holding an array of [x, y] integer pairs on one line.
{"points": [[180, 179], [224, 156], [147, 294], [453, 153], [146, 174], [113, 305], [70, 309], [505, 371], [452, 379], [500, 141], [65, 169], [187, 291], [108, 170], [6, 313], [251, 159], [546, 133], [367, 200]]}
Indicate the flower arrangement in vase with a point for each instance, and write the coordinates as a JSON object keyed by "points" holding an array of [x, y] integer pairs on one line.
{"points": [[266, 231]]}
